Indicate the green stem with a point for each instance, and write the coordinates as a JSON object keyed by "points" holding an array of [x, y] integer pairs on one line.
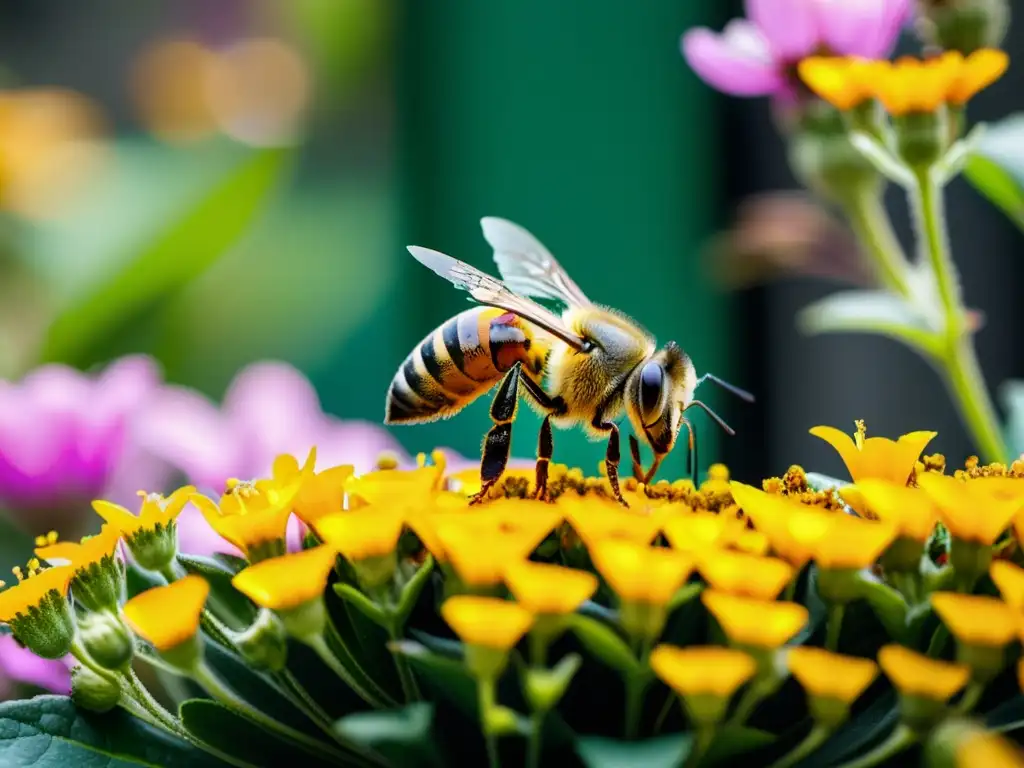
{"points": [[83, 657], [956, 357], [142, 695], [405, 675], [818, 735], [834, 627], [486, 697], [219, 691], [635, 686], [899, 740], [870, 223], [659, 721], [970, 698], [535, 745], [703, 739], [319, 644], [938, 641], [538, 645], [301, 699]]}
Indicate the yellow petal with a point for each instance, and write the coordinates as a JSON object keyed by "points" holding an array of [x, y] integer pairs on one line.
{"points": [[30, 592], [976, 619], [549, 589], [597, 520], [911, 510], [830, 675], [696, 531], [844, 446], [792, 528], [322, 494], [258, 525], [750, 622], [1010, 580], [638, 573], [168, 616], [91, 549], [979, 71], [839, 81], [702, 671], [852, 543], [479, 559], [917, 675], [740, 574], [959, 505], [282, 583], [486, 621], [362, 533], [118, 517], [988, 750]]}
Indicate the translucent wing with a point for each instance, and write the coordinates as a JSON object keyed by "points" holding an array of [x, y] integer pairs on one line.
{"points": [[488, 290], [527, 267]]}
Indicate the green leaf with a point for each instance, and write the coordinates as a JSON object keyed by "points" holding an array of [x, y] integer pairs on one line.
{"points": [[51, 732], [1012, 395], [684, 594], [232, 563], [1008, 716], [856, 735], [361, 603], [446, 678], [402, 736], [544, 688], [660, 752], [225, 601], [224, 729], [878, 312], [413, 589], [735, 740], [442, 646], [604, 643], [996, 166], [889, 606], [138, 580], [174, 255], [598, 611], [816, 609]]}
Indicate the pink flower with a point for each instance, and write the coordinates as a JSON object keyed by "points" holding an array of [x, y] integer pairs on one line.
{"points": [[20, 665], [64, 435], [270, 408], [755, 56]]}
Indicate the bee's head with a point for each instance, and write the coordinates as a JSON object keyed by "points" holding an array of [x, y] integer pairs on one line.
{"points": [[656, 394]]}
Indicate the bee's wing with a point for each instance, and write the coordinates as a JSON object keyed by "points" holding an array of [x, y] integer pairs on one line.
{"points": [[491, 291], [527, 267]]}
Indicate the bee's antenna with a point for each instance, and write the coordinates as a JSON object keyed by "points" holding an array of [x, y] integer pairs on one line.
{"points": [[742, 394], [718, 419]]}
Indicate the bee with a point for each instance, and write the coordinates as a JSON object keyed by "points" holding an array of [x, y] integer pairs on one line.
{"points": [[584, 367]]}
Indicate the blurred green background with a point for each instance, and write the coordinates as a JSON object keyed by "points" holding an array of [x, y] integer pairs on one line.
{"points": [[247, 173]]}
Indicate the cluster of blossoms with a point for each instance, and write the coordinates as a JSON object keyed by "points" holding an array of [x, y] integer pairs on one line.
{"points": [[712, 597]]}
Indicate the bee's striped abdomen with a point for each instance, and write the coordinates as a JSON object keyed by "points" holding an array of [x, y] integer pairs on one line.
{"points": [[457, 363]]}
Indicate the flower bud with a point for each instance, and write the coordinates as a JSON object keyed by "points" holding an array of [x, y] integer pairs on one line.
{"points": [[100, 586], [963, 25], [106, 639], [922, 137], [47, 628], [155, 549], [93, 692], [265, 643]]}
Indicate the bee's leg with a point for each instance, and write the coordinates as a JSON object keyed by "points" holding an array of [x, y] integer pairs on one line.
{"points": [[545, 444], [612, 455], [498, 443], [693, 468], [634, 452]]}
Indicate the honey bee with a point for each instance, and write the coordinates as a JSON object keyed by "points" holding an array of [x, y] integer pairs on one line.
{"points": [[583, 367]]}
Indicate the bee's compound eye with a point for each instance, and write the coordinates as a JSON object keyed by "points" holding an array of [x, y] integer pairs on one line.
{"points": [[652, 382]]}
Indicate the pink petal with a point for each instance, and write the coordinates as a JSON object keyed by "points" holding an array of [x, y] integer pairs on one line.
{"points": [[735, 62], [23, 666], [274, 408], [789, 26], [185, 429], [196, 537], [866, 28]]}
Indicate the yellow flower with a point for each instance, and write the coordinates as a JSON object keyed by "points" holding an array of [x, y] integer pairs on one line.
{"points": [[288, 581], [852, 543], [830, 675], [168, 616], [486, 621], [977, 72], [156, 512], [758, 623], [362, 533], [638, 573], [914, 674], [876, 457], [32, 590], [696, 531], [967, 509], [976, 619], [702, 671], [741, 574], [319, 494], [80, 555], [843, 82], [599, 519], [751, 542], [394, 486], [792, 528], [910, 509], [1010, 580], [549, 589], [988, 750], [479, 558]]}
